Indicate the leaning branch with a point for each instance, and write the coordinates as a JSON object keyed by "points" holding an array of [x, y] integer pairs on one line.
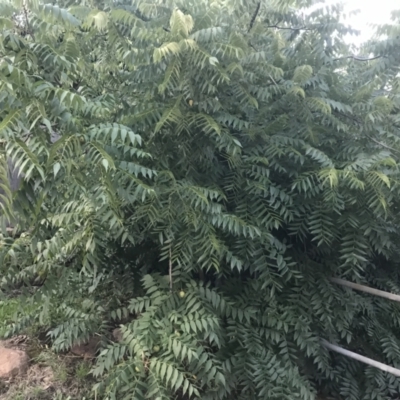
{"points": [[366, 289], [355, 58], [358, 357], [28, 25], [382, 144], [253, 18], [290, 28], [170, 270], [369, 137]]}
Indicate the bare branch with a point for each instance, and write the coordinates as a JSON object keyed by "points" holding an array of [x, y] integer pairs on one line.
{"points": [[300, 28], [369, 137], [355, 119], [358, 357], [355, 58], [253, 18], [28, 25], [382, 144], [366, 289], [170, 270]]}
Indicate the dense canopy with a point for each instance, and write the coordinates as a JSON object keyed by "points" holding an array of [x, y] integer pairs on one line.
{"points": [[196, 171]]}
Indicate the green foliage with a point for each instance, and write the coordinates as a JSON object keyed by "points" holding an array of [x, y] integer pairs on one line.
{"points": [[8, 308], [215, 164]]}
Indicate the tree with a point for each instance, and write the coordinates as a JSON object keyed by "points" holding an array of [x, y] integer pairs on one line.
{"points": [[217, 163]]}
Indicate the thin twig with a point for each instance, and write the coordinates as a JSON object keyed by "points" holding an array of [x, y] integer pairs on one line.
{"points": [[28, 25], [272, 79], [170, 270], [355, 58], [290, 28], [351, 117], [369, 137], [382, 144], [253, 18]]}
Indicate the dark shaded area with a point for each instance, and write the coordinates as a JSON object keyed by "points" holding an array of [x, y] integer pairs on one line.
{"points": [[14, 174]]}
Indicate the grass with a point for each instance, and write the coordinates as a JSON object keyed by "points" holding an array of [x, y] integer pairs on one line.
{"points": [[8, 309], [82, 371]]}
